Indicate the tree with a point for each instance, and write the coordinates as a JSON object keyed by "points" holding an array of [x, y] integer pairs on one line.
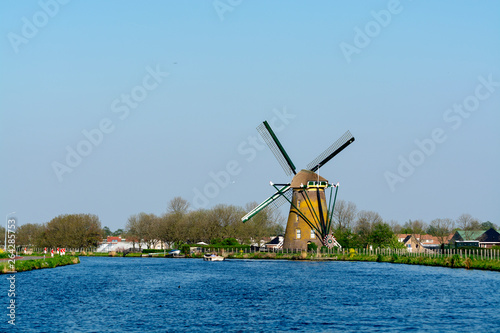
{"points": [[133, 232], [29, 234], [367, 220], [488, 225], [468, 224], [2, 236], [415, 227], [268, 222], [148, 226], [178, 205], [344, 215], [106, 232], [73, 231], [170, 228], [144, 228], [381, 235], [396, 227], [118, 232], [440, 228]]}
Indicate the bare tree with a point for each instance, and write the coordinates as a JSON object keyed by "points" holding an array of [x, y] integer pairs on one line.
{"points": [[395, 226], [178, 205], [415, 227], [367, 220], [468, 224], [441, 228], [133, 230], [344, 215], [148, 229]]}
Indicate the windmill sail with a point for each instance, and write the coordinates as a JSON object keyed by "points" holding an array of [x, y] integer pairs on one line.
{"points": [[265, 203], [279, 152], [339, 145]]}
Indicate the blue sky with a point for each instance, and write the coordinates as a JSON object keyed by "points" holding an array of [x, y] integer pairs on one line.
{"points": [[169, 94]]}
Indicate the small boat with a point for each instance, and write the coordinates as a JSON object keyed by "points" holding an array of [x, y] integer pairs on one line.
{"points": [[212, 257]]}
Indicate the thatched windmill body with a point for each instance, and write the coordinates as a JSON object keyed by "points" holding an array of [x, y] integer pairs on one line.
{"points": [[310, 216]]}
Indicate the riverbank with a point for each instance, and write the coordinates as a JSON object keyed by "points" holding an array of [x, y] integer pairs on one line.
{"points": [[444, 260], [462, 260], [27, 264], [467, 261], [452, 261]]}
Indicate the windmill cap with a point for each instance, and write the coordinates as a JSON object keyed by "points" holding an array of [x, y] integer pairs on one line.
{"points": [[305, 176]]}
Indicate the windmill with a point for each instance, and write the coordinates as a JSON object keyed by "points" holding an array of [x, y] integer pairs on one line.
{"points": [[310, 217]]}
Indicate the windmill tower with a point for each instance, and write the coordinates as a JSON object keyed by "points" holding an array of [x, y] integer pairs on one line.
{"points": [[309, 219]]}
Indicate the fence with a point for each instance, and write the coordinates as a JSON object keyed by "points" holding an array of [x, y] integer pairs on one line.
{"points": [[480, 253], [20, 249], [490, 254]]}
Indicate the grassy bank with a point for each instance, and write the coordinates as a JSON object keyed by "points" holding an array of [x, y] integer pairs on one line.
{"points": [[467, 260], [28, 265], [453, 261]]}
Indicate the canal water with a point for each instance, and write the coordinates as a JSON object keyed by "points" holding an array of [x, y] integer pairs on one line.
{"points": [[190, 295]]}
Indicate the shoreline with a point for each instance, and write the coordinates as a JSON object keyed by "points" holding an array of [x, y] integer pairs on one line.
{"points": [[448, 261], [25, 264], [453, 261]]}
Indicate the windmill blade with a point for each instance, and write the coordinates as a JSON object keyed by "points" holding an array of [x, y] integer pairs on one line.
{"points": [[276, 204], [266, 202], [279, 152], [339, 145]]}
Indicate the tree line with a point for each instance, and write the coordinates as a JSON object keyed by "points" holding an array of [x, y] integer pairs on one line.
{"points": [[68, 231], [179, 224], [356, 229]]}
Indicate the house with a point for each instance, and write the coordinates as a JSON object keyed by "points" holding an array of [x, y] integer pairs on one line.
{"points": [[426, 241], [275, 243], [415, 245], [112, 239], [119, 244], [480, 238]]}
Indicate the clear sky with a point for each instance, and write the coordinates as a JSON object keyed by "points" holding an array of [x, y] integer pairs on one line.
{"points": [[115, 107]]}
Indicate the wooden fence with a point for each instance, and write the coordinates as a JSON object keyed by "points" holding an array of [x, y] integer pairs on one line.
{"points": [[480, 253]]}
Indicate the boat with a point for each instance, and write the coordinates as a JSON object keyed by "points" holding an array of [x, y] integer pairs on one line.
{"points": [[212, 257], [175, 252]]}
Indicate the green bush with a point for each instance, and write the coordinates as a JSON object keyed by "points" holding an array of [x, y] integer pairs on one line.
{"points": [[312, 247], [152, 251], [185, 249], [230, 242], [215, 241], [456, 261]]}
